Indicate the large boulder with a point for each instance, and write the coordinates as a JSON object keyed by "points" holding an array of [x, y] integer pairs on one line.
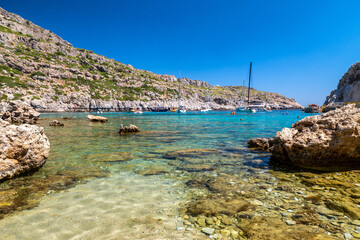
{"points": [[330, 141], [23, 149], [19, 112]]}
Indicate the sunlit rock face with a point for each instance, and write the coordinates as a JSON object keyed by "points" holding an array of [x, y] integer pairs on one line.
{"points": [[19, 112], [23, 149], [328, 141], [348, 87]]}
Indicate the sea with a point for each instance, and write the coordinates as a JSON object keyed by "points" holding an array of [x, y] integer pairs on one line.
{"points": [[181, 174]]}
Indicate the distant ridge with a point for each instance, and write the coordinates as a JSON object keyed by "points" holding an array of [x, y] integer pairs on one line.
{"points": [[42, 69]]}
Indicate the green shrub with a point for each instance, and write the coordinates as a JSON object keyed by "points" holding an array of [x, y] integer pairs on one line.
{"points": [[3, 97], [35, 98], [17, 96], [13, 82], [38, 73]]}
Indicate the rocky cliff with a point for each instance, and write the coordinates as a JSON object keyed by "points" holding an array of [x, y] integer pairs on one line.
{"points": [[348, 89], [40, 68]]}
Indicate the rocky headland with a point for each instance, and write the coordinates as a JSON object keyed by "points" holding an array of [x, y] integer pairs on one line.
{"points": [[347, 90], [48, 73], [324, 142]]}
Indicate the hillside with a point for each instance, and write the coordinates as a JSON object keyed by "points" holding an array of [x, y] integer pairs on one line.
{"points": [[40, 68]]}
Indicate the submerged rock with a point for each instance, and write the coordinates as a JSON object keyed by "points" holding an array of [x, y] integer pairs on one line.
{"points": [[56, 123], [128, 129], [324, 142], [194, 152], [93, 118], [19, 112], [214, 206], [24, 148], [259, 143]]}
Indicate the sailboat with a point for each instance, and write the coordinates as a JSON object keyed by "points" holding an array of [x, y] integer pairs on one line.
{"points": [[252, 106], [181, 109], [242, 106]]}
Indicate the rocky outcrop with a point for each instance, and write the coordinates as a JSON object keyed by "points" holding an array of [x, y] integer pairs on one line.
{"points": [[43, 70], [330, 141], [23, 149], [128, 129], [18, 112], [93, 118], [347, 89], [56, 123]]}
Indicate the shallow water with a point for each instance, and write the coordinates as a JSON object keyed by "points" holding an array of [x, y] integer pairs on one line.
{"points": [[98, 184]]}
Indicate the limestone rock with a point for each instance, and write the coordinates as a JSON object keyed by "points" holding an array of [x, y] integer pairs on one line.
{"points": [[93, 118], [19, 112], [347, 89], [208, 231], [128, 129], [56, 123], [24, 148], [326, 142]]}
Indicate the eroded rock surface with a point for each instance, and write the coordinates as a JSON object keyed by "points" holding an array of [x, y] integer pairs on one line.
{"points": [[56, 123], [19, 112], [325, 142], [129, 129], [24, 148]]}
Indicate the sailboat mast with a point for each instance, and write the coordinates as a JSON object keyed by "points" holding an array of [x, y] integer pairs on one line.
{"points": [[179, 89], [249, 84]]}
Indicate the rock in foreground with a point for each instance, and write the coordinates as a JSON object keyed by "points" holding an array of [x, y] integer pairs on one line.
{"points": [[24, 148], [128, 129], [330, 141], [19, 112], [93, 118]]}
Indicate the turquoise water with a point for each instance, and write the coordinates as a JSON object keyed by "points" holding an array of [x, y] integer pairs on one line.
{"points": [[153, 172]]}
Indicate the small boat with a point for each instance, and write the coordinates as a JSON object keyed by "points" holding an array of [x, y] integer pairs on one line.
{"points": [[206, 110], [257, 105], [312, 108], [173, 109], [181, 109], [160, 109], [135, 111]]}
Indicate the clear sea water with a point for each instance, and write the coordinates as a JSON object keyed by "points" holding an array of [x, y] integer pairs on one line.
{"points": [[97, 184]]}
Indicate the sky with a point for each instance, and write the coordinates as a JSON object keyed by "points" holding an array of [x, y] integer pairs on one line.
{"points": [[298, 48]]}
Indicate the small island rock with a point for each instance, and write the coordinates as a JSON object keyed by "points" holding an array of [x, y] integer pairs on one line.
{"points": [[129, 129], [93, 118], [56, 123]]}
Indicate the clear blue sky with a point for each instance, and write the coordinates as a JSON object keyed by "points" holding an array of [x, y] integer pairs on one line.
{"points": [[299, 48]]}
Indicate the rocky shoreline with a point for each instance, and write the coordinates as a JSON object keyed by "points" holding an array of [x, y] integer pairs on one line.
{"points": [[327, 142]]}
